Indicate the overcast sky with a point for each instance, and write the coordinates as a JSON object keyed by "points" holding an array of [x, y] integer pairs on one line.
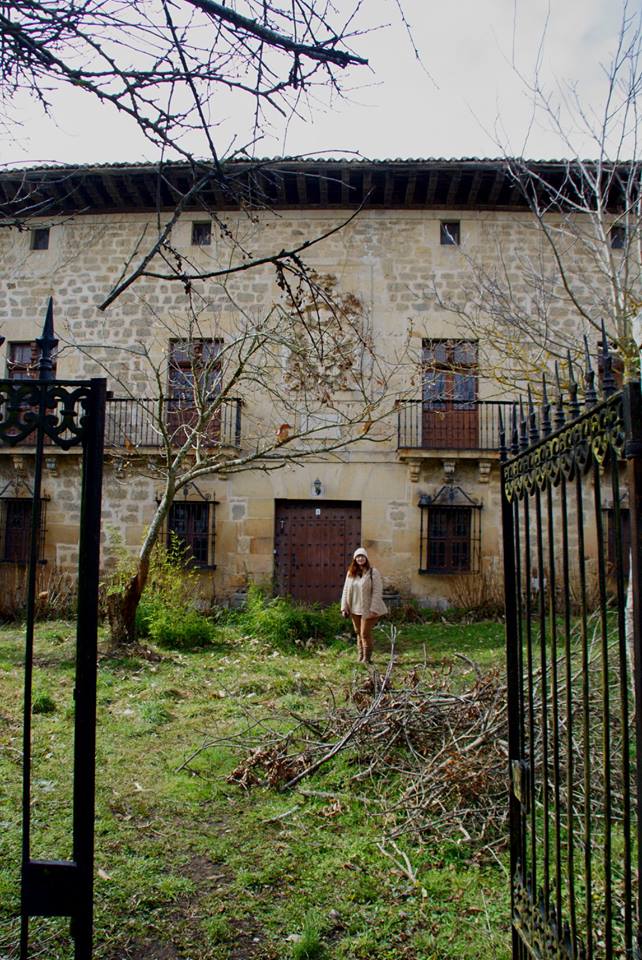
{"points": [[466, 100]]}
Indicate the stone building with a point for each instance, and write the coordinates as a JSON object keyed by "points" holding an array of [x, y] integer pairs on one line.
{"points": [[423, 499]]}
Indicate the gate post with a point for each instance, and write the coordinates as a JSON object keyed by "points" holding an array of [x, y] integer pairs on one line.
{"points": [[633, 451], [86, 666], [65, 414], [513, 683]]}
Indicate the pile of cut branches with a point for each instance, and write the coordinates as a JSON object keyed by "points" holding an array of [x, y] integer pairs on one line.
{"points": [[434, 760]]}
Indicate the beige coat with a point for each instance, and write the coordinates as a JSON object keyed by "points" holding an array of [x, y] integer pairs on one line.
{"points": [[363, 596]]}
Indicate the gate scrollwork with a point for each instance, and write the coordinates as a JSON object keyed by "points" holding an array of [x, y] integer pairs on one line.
{"points": [[65, 419], [598, 435]]}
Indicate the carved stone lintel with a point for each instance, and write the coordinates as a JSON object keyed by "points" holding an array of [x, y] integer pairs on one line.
{"points": [[484, 471], [415, 470], [449, 470]]}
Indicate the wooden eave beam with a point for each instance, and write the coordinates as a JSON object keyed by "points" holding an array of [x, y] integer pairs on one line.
{"points": [[409, 200], [346, 190], [134, 185], [123, 184], [433, 180], [279, 182], [302, 188], [388, 187], [474, 188], [95, 192], [515, 196], [228, 191], [496, 188], [112, 191], [366, 187], [323, 189], [226, 195], [453, 187]]}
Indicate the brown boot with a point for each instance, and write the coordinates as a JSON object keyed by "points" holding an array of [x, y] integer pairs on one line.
{"points": [[359, 650], [367, 645]]}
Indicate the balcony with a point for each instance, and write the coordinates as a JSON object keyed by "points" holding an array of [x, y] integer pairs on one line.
{"points": [[132, 424], [450, 425]]}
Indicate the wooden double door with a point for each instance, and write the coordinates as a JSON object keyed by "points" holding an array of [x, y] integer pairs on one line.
{"points": [[313, 544]]}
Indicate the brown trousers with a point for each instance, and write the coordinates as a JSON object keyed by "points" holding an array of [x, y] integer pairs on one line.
{"points": [[363, 627]]}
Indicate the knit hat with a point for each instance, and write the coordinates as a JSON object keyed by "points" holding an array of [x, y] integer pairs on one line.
{"points": [[359, 550]]}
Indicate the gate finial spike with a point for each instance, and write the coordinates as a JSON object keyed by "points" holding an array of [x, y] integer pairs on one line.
{"points": [[533, 433], [590, 396], [572, 386], [502, 436], [560, 418], [546, 409], [523, 434], [47, 343], [608, 380], [514, 445]]}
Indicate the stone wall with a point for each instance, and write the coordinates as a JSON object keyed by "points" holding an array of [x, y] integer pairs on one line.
{"points": [[391, 260]]}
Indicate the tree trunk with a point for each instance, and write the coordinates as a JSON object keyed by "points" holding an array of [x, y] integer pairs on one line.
{"points": [[122, 607]]}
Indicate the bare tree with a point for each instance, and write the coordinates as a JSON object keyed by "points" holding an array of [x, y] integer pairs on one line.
{"points": [[173, 70], [305, 370], [166, 65], [582, 266]]}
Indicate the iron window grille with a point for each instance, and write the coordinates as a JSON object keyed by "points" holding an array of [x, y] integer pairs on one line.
{"points": [[191, 527], [15, 529], [449, 233], [450, 532]]}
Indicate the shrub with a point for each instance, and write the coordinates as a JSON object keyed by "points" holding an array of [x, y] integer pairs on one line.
{"points": [[179, 628], [480, 596], [56, 593], [166, 613], [408, 610], [43, 703], [283, 623]]}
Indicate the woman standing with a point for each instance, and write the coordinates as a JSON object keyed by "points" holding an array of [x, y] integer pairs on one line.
{"points": [[362, 600]]}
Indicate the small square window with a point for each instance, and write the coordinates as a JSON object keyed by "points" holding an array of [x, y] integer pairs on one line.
{"points": [[201, 233], [449, 233], [40, 238], [618, 237]]}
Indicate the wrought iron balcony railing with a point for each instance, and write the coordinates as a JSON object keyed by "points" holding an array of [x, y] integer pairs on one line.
{"points": [[130, 424], [133, 424], [449, 424]]}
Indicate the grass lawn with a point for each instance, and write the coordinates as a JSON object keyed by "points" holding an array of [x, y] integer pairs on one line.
{"points": [[191, 867]]}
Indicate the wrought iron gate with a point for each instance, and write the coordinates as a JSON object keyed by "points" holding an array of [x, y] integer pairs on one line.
{"points": [[571, 479], [64, 414]]}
